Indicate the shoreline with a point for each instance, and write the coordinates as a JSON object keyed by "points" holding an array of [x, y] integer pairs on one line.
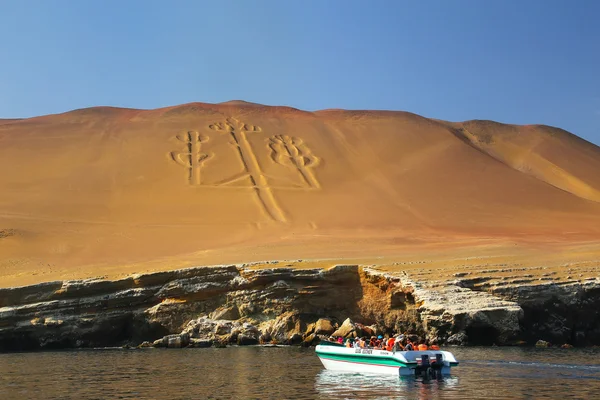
{"points": [[240, 304], [524, 347]]}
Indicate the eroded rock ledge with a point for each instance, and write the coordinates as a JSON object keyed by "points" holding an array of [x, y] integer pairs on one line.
{"points": [[238, 304]]}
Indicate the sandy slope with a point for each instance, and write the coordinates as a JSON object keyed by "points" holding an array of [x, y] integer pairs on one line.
{"points": [[108, 191]]}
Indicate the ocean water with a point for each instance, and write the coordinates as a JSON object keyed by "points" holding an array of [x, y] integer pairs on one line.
{"points": [[290, 373]]}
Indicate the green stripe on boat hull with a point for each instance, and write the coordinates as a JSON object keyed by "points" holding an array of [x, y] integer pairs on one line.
{"points": [[366, 359]]}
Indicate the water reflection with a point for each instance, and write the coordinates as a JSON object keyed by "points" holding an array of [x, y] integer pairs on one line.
{"points": [[344, 385], [289, 373]]}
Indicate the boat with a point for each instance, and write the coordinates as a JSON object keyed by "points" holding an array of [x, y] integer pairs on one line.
{"points": [[428, 364]]}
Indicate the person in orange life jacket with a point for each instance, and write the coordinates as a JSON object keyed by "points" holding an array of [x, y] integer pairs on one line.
{"points": [[390, 344], [398, 343]]}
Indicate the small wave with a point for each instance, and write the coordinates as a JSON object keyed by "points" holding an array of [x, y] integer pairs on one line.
{"points": [[535, 364]]}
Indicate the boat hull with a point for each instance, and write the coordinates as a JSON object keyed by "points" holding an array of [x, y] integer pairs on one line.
{"points": [[348, 366], [381, 362]]}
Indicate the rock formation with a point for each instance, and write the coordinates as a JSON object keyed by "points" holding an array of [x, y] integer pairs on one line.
{"points": [[237, 304]]}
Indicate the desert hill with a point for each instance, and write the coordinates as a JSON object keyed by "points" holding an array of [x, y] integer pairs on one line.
{"points": [[110, 191]]}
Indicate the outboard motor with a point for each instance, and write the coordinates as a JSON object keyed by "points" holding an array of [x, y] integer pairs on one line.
{"points": [[437, 365], [425, 369], [439, 359]]}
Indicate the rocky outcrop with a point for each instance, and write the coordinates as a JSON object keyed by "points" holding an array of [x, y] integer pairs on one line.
{"points": [[568, 312], [236, 304], [324, 326], [90, 313], [454, 314]]}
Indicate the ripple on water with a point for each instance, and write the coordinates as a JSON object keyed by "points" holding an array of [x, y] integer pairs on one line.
{"points": [[288, 373]]}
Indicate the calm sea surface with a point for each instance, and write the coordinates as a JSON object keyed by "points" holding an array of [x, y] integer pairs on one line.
{"points": [[289, 373]]}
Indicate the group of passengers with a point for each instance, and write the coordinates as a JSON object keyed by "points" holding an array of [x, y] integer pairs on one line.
{"points": [[393, 343]]}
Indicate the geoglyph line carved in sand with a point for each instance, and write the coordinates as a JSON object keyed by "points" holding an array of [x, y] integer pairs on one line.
{"points": [[252, 170], [191, 158], [292, 152]]}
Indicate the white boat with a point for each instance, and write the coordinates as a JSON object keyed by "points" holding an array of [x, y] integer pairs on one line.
{"points": [[428, 364]]}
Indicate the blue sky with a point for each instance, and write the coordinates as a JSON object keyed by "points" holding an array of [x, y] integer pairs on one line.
{"points": [[515, 61]]}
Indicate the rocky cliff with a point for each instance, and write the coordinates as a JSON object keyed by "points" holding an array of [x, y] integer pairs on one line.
{"points": [[245, 305]]}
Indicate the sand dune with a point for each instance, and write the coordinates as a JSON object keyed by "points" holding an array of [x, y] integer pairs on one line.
{"points": [[550, 154], [106, 191]]}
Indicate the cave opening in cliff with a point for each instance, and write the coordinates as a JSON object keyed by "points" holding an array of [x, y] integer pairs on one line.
{"points": [[482, 335]]}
